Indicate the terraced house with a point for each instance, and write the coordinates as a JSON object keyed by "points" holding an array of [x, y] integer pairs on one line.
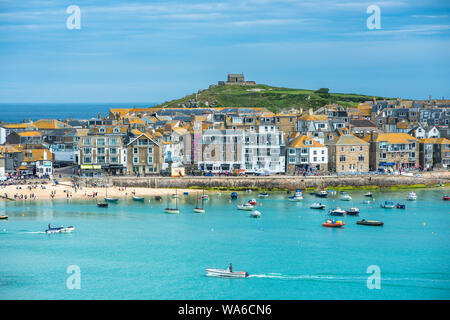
{"points": [[393, 150], [348, 154], [441, 153], [304, 153], [144, 154], [102, 149]]}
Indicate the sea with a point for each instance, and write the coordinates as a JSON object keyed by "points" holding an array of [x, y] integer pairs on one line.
{"points": [[18, 112], [133, 250]]}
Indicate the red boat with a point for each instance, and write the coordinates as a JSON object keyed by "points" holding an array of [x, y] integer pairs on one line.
{"points": [[252, 202], [446, 198], [333, 224]]}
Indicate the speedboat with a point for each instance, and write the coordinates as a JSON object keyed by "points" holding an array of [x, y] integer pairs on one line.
{"points": [[297, 196], [226, 273], [370, 223], [115, 200], [138, 198], [387, 205], [4, 217], [446, 198], [255, 214], [317, 206], [353, 211], [245, 207], [322, 194], [252, 202], [400, 206], [368, 194], [234, 195], [337, 212], [333, 224], [263, 195], [345, 197], [411, 196], [60, 229]]}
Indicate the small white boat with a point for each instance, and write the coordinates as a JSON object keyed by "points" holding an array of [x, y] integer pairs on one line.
{"points": [[245, 207], [317, 206], [174, 195], [205, 197], [226, 273], [199, 210], [255, 214], [368, 194], [337, 212], [322, 194], [387, 205], [60, 229], [411, 196], [263, 195], [297, 196], [367, 202], [353, 211], [171, 210], [345, 197]]}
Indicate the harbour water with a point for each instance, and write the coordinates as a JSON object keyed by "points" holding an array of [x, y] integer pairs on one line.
{"points": [[133, 250]]}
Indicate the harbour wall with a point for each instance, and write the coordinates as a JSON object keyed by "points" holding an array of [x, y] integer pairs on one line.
{"points": [[428, 179]]}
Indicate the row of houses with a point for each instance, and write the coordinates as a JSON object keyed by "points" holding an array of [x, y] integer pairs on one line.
{"points": [[148, 141]]}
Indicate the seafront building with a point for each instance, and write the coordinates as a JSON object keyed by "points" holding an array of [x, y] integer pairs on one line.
{"points": [[369, 136]]}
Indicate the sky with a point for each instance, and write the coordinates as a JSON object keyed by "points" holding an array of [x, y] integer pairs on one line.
{"points": [[155, 51]]}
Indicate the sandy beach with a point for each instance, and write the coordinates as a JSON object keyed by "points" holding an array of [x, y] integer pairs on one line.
{"points": [[24, 193]]}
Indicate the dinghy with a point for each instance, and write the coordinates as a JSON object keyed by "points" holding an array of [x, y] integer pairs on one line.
{"points": [[255, 214], [333, 224], [370, 223], [387, 205], [411, 196], [4, 217], [263, 195], [245, 207], [138, 198]]}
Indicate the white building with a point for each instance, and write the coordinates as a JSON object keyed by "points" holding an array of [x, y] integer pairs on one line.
{"points": [[305, 153]]}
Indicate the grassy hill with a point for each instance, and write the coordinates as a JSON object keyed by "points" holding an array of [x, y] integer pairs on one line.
{"points": [[272, 98]]}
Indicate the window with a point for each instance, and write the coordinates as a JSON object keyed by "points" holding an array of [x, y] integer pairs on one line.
{"points": [[101, 159], [135, 150], [113, 141], [315, 152], [101, 142], [150, 150], [315, 159], [135, 159], [342, 149], [150, 159], [87, 160], [102, 130], [113, 150], [361, 158], [101, 150], [113, 160], [361, 167], [342, 158], [87, 150], [352, 149], [360, 148], [291, 160], [291, 151], [342, 168], [87, 141]]}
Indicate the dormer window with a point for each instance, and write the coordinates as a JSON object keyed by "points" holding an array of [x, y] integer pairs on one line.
{"points": [[116, 130], [101, 130]]}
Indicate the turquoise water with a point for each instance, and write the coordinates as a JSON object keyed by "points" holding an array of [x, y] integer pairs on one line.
{"points": [[134, 250]]}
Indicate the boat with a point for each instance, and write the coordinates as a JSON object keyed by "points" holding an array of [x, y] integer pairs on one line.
{"points": [[367, 202], [249, 190], [174, 195], [102, 204], [368, 194], [322, 194], [446, 198], [337, 212], [370, 223], [333, 224], [234, 195], [186, 193], [3, 217], [205, 197], [400, 206], [317, 206], [108, 199], [197, 208], [411, 196], [252, 202], [172, 210], [226, 273], [263, 195], [158, 198], [255, 214], [138, 198], [60, 229], [345, 196], [352, 211], [332, 192], [245, 207], [297, 196], [387, 205]]}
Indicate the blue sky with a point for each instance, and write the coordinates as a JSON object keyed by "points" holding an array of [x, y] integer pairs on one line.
{"points": [[152, 51]]}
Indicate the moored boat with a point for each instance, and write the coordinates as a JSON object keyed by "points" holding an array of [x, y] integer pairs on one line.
{"points": [[322, 194], [367, 202], [234, 195], [368, 194], [113, 200], [245, 207], [263, 195], [446, 198], [337, 212], [255, 214], [400, 206], [200, 209], [205, 197], [317, 206], [138, 198], [102, 204], [253, 202], [3, 217], [297, 196], [411, 196], [370, 223], [226, 273], [171, 210], [352, 211], [345, 196], [333, 224], [387, 205]]}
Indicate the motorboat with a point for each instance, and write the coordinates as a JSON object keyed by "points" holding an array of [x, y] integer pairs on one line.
{"points": [[353, 211], [446, 198], [245, 207], [113, 200], [172, 210], [205, 197], [337, 212], [60, 229], [345, 197], [3, 217], [138, 198], [234, 195], [368, 194], [367, 202], [322, 194], [332, 192], [226, 273], [255, 214], [317, 206], [199, 209], [297, 196], [400, 206], [102, 205], [387, 205], [263, 195], [249, 190], [333, 224], [411, 196], [252, 202], [370, 223]]}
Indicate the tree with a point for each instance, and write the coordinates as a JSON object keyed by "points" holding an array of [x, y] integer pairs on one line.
{"points": [[322, 90]]}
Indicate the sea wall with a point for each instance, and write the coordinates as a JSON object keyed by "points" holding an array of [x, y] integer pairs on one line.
{"points": [[277, 182]]}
